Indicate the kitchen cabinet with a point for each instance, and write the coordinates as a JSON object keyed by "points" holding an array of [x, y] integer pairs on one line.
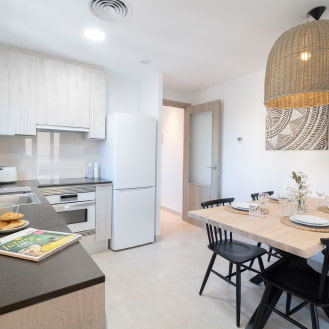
{"points": [[103, 211], [18, 72], [56, 93], [64, 94], [6, 122], [97, 104], [23, 91]]}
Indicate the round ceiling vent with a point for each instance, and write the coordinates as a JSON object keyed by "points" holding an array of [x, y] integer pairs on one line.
{"points": [[110, 10]]}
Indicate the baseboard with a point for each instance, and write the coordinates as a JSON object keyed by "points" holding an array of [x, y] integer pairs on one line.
{"points": [[172, 211]]}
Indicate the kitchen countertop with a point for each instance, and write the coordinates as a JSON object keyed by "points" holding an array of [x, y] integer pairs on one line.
{"points": [[24, 283], [71, 181]]}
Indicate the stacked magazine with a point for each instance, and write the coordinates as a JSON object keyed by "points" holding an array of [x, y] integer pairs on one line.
{"points": [[34, 244]]}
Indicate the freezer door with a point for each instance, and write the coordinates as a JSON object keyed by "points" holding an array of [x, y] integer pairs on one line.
{"points": [[133, 217]]}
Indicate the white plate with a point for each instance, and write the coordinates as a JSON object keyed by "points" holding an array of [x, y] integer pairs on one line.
{"points": [[241, 205], [15, 229], [309, 220]]}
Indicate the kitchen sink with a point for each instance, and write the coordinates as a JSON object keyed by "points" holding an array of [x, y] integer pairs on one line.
{"points": [[20, 199]]}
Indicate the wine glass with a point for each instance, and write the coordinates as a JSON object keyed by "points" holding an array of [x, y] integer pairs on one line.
{"points": [[320, 191], [262, 199], [283, 200]]}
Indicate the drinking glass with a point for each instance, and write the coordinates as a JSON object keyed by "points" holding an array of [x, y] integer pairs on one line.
{"points": [[262, 200], [320, 191], [283, 200]]}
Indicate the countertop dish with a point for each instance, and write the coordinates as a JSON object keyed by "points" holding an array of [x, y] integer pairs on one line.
{"points": [[24, 283]]}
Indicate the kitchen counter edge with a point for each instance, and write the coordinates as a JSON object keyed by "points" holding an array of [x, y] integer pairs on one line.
{"points": [[25, 283]]}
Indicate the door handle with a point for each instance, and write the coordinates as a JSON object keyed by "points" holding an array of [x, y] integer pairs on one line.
{"points": [[212, 167]]}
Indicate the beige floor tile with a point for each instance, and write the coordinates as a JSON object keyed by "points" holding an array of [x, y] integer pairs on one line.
{"points": [[156, 286]]}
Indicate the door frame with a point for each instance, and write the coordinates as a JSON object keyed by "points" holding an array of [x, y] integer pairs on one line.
{"points": [[186, 107]]}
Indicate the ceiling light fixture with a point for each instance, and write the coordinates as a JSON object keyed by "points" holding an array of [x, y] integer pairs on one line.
{"points": [[297, 71], [94, 34]]}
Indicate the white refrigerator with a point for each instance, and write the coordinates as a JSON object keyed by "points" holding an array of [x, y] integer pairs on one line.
{"points": [[128, 159]]}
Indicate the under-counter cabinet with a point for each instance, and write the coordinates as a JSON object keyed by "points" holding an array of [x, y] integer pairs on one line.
{"points": [[103, 211]]}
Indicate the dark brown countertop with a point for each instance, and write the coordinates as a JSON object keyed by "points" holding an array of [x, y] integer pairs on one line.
{"points": [[71, 181], [24, 283]]}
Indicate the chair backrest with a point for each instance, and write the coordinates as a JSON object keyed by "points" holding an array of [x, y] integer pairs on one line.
{"points": [[254, 196], [214, 233], [325, 269], [216, 203]]}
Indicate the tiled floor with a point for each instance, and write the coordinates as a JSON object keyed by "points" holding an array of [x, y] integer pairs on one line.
{"points": [[156, 286]]}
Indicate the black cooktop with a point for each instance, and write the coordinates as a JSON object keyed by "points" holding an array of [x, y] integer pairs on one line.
{"points": [[71, 181]]}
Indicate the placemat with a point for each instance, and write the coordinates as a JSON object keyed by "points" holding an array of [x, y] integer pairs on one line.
{"points": [[229, 208], [324, 209], [285, 220]]}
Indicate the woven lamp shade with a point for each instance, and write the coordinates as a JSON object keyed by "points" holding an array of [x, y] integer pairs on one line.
{"points": [[297, 71]]}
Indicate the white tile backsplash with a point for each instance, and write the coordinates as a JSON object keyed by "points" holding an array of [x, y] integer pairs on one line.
{"points": [[49, 154]]}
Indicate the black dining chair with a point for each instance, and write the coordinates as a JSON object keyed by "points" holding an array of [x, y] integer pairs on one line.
{"points": [[297, 278], [271, 252], [236, 252]]}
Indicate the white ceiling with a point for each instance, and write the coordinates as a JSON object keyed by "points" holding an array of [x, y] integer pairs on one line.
{"points": [[195, 43]]}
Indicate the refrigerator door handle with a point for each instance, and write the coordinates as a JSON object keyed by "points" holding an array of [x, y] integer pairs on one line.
{"points": [[135, 188]]}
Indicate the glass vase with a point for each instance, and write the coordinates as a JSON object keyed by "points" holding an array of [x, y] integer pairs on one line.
{"points": [[301, 203]]}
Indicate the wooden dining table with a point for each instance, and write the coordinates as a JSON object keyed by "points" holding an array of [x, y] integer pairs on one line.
{"points": [[269, 230]]}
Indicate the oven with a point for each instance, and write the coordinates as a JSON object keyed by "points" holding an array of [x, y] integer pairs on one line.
{"points": [[76, 205]]}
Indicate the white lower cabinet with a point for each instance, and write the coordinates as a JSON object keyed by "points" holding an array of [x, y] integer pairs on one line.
{"points": [[103, 211]]}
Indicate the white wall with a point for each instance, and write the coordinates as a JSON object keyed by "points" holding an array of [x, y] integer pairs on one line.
{"points": [[151, 88], [172, 158], [122, 94], [48, 155], [248, 167], [178, 96]]}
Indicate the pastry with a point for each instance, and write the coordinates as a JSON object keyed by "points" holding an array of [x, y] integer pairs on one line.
{"points": [[9, 216]]}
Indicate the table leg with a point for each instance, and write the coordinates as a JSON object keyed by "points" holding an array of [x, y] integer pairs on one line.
{"points": [[271, 297]]}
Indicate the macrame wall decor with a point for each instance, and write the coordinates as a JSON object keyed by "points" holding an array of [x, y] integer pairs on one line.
{"points": [[297, 129]]}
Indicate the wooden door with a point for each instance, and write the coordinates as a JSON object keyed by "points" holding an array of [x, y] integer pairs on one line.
{"points": [[202, 140]]}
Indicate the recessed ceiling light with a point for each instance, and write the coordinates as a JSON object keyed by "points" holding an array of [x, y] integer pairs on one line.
{"points": [[94, 34]]}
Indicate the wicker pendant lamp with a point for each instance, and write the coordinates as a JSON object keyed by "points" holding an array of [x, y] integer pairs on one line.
{"points": [[297, 71]]}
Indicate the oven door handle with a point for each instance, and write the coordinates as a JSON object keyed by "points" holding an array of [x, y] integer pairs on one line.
{"points": [[72, 206]]}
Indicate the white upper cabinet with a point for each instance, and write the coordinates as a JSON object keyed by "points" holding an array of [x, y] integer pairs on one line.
{"points": [[7, 120], [23, 91], [37, 89], [64, 94], [52, 93], [18, 71], [97, 105], [78, 97]]}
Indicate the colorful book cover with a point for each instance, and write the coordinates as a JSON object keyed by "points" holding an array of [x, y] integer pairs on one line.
{"points": [[34, 244]]}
